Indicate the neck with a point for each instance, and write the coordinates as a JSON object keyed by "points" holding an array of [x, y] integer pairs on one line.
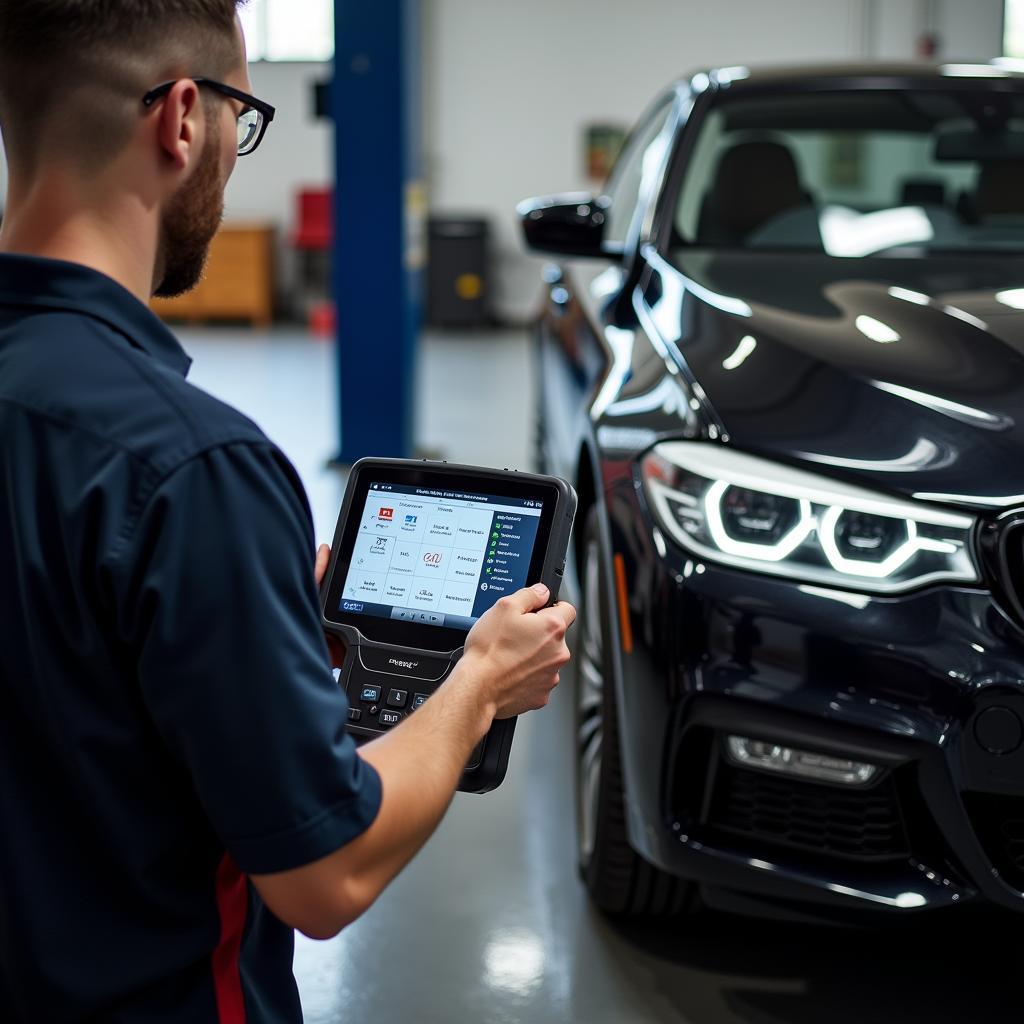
{"points": [[100, 225]]}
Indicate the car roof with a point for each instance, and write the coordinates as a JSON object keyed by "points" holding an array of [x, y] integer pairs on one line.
{"points": [[855, 74]]}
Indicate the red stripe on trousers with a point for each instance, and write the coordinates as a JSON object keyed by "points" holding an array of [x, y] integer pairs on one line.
{"points": [[233, 906]]}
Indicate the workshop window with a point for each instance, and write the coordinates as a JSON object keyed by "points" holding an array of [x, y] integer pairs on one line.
{"points": [[289, 30], [1013, 29]]}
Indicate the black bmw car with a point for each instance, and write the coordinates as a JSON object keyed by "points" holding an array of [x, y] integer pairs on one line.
{"points": [[792, 403]]}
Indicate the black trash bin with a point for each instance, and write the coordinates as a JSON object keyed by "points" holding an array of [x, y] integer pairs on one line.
{"points": [[458, 284]]}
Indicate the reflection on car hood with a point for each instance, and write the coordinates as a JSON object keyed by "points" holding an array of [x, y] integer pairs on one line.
{"points": [[906, 374]]}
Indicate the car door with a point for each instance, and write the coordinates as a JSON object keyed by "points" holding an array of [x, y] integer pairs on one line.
{"points": [[573, 354]]}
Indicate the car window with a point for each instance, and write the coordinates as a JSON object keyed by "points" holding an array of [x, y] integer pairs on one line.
{"points": [[859, 173], [628, 175]]}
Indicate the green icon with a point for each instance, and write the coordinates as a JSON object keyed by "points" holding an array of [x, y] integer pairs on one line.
{"points": [[490, 561], [489, 571], [494, 536]]}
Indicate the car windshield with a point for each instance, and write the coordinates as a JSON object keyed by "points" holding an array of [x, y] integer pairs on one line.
{"points": [[859, 173]]}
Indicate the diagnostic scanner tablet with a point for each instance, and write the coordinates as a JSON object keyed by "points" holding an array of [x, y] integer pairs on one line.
{"points": [[421, 551]]}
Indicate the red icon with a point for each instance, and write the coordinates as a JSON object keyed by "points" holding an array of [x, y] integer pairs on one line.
{"points": [[386, 513], [432, 558]]}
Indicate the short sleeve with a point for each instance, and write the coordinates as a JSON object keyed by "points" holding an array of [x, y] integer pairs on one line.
{"points": [[217, 602]]}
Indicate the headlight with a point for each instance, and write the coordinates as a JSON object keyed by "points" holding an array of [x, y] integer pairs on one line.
{"points": [[755, 514]]}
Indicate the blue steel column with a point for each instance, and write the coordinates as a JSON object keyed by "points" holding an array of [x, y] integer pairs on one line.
{"points": [[379, 212]]}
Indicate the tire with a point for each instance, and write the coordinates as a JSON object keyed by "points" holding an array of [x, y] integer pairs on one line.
{"points": [[619, 881]]}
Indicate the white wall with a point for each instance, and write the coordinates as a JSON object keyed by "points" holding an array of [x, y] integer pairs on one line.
{"points": [[297, 152], [511, 86], [967, 30]]}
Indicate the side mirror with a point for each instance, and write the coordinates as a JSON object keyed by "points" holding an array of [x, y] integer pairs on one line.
{"points": [[570, 224]]}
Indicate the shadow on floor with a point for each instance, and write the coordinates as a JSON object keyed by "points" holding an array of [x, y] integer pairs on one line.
{"points": [[957, 969]]}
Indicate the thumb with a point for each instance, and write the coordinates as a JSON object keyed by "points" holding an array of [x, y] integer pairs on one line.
{"points": [[529, 599]]}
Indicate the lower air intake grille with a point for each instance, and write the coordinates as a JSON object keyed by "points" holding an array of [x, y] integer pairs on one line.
{"points": [[860, 824], [999, 823]]}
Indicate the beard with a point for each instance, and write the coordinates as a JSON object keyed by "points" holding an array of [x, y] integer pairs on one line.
{"points": [[189, 223]]}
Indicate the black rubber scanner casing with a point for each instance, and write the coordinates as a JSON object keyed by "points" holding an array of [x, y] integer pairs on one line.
{"points": [[419, 670]]}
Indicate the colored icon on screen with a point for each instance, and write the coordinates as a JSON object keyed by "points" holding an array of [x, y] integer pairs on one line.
{"points": [[410, 520], [483, 586], [387, 513]]}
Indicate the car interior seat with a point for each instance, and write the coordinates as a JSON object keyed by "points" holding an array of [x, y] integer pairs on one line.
{"points": [[753, 182], [922, 192], [998, 192]]}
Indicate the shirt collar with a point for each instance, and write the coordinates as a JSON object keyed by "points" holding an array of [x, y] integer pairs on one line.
{"points": [[39, 283]]}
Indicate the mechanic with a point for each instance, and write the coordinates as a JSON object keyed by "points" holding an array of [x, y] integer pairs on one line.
{"points": [[177, 789]]}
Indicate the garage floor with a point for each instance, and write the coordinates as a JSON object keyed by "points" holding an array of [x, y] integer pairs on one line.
{"points": [[489, 924]]}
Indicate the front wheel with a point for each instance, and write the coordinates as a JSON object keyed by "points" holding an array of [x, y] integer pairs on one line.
{"points": [[618, 879]]}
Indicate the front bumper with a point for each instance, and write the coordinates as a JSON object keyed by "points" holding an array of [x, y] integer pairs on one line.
{"points": [[898, 682]]}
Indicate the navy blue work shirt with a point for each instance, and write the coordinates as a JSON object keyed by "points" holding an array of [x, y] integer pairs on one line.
{"points": [[169, 721]]}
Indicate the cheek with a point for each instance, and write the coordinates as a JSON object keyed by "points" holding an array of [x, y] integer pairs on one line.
{"points": [[228, 155], [228, 147]]}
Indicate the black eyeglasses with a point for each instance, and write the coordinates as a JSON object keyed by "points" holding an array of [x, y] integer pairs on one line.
{"points": [[252, 121]]}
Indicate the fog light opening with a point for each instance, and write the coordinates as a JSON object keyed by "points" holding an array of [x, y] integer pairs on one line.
{"points": [[773, 757]]}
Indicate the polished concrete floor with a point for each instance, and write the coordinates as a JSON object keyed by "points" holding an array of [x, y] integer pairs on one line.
{"points": [[489, 924]]}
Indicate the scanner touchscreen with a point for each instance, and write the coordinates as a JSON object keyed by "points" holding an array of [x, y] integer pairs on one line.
{"points": [[438, 557]]}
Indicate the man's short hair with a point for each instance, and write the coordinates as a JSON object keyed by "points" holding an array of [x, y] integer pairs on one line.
{"points": [[73, 72]]}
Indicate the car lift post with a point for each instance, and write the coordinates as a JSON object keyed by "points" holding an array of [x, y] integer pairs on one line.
{"points": [[379, 215]]}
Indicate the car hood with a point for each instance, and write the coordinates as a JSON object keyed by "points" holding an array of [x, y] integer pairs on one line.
{"points": [[904, 374]]}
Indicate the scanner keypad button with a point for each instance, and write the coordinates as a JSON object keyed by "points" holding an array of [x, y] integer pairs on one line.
{"points": [[370, 694], [354, 714], [389, 718], [397, 698], [419, 699]]}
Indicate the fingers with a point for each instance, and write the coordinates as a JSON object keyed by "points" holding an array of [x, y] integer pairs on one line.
{"points": [[528, 600], [323, 557], [564, 612]]}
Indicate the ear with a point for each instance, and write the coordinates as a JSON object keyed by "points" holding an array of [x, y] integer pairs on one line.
{"points": [[181, 123]]}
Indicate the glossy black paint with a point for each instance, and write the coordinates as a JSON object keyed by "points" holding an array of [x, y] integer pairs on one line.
{"points": [[570, 224], [816, 389], [633, 353]]}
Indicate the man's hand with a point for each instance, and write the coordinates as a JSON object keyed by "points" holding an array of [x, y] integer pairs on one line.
{"points": [[516, 649], [334, 643], [511, 665]]}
